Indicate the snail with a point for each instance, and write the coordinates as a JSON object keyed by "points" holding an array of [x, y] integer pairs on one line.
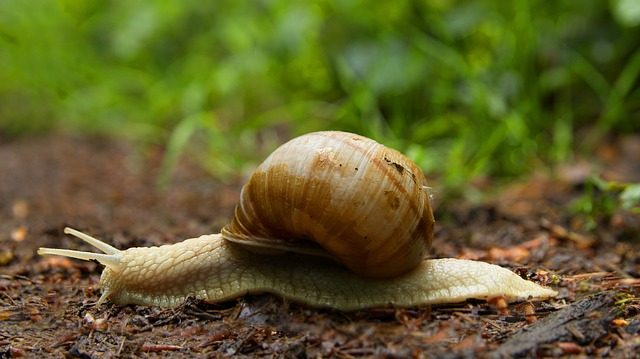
{"points": [[329, 219]]}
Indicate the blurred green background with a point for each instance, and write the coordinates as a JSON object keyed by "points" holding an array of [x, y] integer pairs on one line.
{"points": [[467, 89]]}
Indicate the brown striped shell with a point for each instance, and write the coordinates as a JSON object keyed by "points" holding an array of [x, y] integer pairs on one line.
{"points": [[341, 195]]}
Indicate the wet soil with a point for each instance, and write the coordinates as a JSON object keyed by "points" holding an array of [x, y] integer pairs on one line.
{"points": [[108, 188]]}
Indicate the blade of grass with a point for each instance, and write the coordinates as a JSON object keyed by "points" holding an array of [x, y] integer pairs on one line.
{"points": [[614, 105]]}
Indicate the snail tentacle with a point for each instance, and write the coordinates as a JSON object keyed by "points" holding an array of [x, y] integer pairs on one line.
{"points": [[106, 248], [110, 258]]}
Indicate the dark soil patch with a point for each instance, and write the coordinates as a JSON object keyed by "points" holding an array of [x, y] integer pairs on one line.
{"points": [[103, 187]]}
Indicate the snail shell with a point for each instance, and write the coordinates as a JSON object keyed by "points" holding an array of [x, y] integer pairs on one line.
{"points": [[341, 195]]}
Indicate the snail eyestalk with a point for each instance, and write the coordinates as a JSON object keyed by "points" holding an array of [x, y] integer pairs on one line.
{"points": [[93, 241], [110, 258]]}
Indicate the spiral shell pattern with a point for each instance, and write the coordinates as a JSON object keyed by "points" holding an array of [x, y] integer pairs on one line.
{"points": [[361, 203]]}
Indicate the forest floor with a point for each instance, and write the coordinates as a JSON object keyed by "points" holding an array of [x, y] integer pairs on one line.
{"points": [[105, 188]]}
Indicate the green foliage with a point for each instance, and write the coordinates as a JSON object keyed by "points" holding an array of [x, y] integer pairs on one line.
{"points": [[602, 199], [465, 88]]}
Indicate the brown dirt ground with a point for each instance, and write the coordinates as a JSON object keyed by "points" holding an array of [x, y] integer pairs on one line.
{"points": [[105, 188]]}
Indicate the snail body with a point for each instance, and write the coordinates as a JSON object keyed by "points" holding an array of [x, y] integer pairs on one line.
{"points": [[313, 205]]}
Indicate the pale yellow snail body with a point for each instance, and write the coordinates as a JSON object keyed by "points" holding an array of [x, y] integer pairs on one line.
{"points": [[330, 219]]}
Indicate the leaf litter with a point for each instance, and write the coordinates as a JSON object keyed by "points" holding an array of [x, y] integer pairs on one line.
{"points": [[47, 304]]}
